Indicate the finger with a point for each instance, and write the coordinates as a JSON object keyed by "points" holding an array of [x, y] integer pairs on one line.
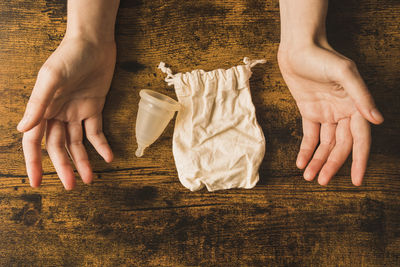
{"points": [[77, 151], [308, 143], [31, 145], [327, 142], [361, 131], [94, 133], [55, 144], [339, 153], [46, 84], [355, 86]]}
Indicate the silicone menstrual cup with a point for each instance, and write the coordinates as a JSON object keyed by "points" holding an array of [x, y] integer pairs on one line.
{"points": [[155, 112]]}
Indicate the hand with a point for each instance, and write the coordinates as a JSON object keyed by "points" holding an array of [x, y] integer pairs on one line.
{"points": [[333, 99], [70, 90], [335, 105]]}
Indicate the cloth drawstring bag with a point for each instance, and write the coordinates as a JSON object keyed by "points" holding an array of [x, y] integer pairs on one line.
{"points": [[217, 142]]}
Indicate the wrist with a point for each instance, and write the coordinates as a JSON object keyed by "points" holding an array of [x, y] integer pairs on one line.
{"points": [[302, 23], [88, 33], [92, 20], [89, 43]]}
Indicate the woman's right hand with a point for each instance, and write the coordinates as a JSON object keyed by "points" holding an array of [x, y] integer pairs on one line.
{"points": [[69, 94]]}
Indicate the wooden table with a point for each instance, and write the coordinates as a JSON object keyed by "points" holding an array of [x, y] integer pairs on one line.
{"points": [[137, 212]]}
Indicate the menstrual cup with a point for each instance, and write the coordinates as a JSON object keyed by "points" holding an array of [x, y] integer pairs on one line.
{"points": [[155, 112]]}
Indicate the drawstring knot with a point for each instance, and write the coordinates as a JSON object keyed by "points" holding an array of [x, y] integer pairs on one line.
{"points": [[170, 77], [252, 63]]}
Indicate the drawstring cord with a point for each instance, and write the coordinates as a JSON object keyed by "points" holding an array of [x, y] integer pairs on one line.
{"points": [[170, 77], [252, 63]]}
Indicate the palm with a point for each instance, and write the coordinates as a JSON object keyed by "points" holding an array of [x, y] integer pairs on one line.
{"points": [[320, 82], [328, 105], [70, 90]]}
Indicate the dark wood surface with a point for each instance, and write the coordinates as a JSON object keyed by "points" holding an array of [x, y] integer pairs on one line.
{"points": [[137, 212]]}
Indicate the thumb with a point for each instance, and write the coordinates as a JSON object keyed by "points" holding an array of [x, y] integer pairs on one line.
{"points": [[355, 86], [46, 84]]}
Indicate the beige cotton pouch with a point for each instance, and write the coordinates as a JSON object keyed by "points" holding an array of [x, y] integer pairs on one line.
{"points": [[217, 142]]}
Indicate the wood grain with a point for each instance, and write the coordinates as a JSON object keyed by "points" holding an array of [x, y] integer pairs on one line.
{"points": [[137, 213]]}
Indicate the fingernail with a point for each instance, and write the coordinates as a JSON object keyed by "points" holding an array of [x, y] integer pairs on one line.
{"points": [[377, 115], [34, 184], [300, 164], [22, 123], [307, 176], [69, 187], [323, 180]]}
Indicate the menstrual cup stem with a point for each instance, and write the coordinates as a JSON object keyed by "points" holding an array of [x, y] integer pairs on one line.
{"points": [[139, 151]]}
